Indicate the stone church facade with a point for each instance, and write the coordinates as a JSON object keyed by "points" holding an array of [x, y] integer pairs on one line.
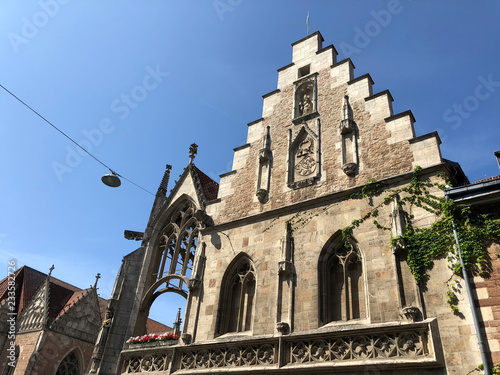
{"points": [[271, 286]]}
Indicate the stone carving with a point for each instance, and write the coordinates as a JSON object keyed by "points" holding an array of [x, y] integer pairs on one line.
{"points": [[363, 346], [305, 99], [282, 328], [411, 313], [132, 235], [349, 142], [186, 338], [400, 344], [261, 195], [264, 155], [303, 158], [305, 105], [147, 363], [203, 218], [264, 168], [349, 168], [285, 267], [307, 163], [346, 126], [303, 183], [193, 150], [194, 285], [249, 355]]}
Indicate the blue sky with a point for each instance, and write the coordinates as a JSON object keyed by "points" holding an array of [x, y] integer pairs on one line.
{"points": [[138, 81]]}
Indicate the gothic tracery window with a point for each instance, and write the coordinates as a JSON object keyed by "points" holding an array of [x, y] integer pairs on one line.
{"points": [[70, 365], [237, 298], [342, 289], [177, 245]]}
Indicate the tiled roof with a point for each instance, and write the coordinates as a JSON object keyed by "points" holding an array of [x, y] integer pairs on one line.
{"points": [[152, 326], [210, 187], [492, 178], [73, 299]]}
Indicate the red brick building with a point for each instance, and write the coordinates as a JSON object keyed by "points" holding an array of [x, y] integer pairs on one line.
{"points": [[56, 324]]}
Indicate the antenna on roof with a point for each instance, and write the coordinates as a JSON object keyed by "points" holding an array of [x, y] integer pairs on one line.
{"points": [[307, 23]]}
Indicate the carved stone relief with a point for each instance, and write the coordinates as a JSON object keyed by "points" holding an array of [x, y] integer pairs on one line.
{"points": [[147, 363], [349, 140], [265, 165], [399, 344], [404, 344], [251, 355], [305, 98], [303, 158]]}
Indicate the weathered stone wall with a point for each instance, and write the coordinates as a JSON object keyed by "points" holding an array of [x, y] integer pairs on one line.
{"points": [[384, 149], [260, 237]]}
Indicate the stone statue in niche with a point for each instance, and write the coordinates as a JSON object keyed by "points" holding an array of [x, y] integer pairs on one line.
{"points": [[306, 105], [305, 98], [305, 162]]}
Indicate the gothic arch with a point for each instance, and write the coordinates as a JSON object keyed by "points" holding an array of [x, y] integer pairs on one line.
{"points": [[71, 364], [237, 296], [342, 286], [174, 248], [173, 242]]}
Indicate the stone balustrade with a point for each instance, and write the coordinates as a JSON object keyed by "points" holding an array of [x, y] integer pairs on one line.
{"points": [[393, 345]]}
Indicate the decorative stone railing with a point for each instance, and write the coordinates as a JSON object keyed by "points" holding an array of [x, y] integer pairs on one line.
{"points": [[387, 346]]}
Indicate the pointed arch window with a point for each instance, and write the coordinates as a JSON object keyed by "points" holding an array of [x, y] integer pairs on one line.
{"points": [[342, 287], [70, 365], [237, 301], [177, 245]]}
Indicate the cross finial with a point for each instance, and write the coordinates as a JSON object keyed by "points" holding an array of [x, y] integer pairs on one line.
{"points": [[193, 150], [97, 277], [51, 269]]}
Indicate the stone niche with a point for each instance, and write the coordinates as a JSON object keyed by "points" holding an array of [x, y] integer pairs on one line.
{"points": [[305, 106], [303, 169]]}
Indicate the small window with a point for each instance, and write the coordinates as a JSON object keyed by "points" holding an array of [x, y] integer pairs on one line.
{"points": [[305, 70]]}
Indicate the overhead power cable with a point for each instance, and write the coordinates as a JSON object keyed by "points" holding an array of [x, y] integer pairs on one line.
{"points": [[67, 136]]}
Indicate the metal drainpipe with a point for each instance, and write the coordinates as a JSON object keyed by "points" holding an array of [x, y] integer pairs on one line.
{"points": [[471, 299]]}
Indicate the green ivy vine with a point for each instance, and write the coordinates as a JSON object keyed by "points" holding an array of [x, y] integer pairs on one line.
{"points": [[475, 230]]}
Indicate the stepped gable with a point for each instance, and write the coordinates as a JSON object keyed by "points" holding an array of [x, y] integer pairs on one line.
{"points": [[328, 132]]}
